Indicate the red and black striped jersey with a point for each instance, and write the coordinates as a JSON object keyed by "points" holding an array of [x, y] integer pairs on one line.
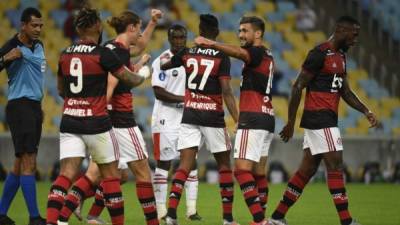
{"points": [[84, 68], [121, 112], [256, 111], [203, 95], [328, 68]]}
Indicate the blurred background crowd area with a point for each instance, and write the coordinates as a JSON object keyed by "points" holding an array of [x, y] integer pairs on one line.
{"points": [[292, 29]]}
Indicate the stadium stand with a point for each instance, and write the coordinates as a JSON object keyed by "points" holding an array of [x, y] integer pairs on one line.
{"points": [[288, 45]]}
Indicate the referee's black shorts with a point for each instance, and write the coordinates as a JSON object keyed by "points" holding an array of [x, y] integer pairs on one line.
{"points": [[25, 118]]}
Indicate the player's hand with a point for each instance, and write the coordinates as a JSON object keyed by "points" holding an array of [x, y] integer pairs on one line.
{"points": [[287, 132], [145, 72], [372, 119], [156, 14], [204, 41], [13, 54], [145, 59], [164, 58]]}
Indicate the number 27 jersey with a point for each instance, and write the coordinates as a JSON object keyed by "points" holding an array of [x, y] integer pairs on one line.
{"points": [[84, 68], [205, 67]]}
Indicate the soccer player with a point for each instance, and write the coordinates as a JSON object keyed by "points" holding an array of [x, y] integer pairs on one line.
{"points": [[207, 86], [131, 143], [86, 125], [324, 76], [256, 120], [169, 89], [24, 59]]}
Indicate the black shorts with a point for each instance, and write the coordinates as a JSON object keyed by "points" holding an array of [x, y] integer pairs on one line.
{"points": [[25, 118]]}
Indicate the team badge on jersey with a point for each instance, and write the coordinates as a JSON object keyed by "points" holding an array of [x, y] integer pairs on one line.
{"points": [[161, 76], [174, 73]]}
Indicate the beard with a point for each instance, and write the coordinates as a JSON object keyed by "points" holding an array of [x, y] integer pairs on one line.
{"points": [[344, 46], [245, 44]]}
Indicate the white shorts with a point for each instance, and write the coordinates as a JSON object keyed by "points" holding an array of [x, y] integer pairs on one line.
{"points": [[103, 147], [252, 144], [131, 144], [216, 139], [165, 146], [322, 140]]}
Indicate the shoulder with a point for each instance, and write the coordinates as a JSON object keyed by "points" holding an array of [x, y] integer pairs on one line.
{"points": [[10, 44]]}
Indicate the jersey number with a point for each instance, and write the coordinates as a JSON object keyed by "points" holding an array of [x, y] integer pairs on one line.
{"points": [[270, 78], [203, 62], [75, 69]]}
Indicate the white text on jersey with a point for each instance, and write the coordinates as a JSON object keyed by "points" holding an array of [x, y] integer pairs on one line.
{"points": [[80, 48]]}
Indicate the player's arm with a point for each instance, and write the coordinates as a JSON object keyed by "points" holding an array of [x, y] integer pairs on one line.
{"points": [[301, 82], [146, 35], [230, 50], [352, 100], [165, 96], [110, 62], [229, 98], [8, 53], [143, 61], [112, 82], [167, 63]]}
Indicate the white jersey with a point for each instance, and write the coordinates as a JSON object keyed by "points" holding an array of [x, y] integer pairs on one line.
{"points": [[167, 116]]}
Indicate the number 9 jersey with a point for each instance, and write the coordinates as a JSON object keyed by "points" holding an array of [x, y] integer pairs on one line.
{"points": [[203, 96], [83, 69]]}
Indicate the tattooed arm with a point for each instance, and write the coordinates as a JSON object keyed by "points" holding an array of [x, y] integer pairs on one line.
{"points": [[301, 82], [352, 100], [130, 78]]}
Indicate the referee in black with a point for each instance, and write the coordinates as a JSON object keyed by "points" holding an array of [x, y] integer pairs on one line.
{"points": [[24, 59]]}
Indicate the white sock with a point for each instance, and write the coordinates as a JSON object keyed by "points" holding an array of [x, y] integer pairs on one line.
{"points": [[191, 188], [160, 185]]}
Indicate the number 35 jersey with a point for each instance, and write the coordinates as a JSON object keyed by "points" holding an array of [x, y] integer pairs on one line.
{"points": [[83, 69], [204, 67], [328, 68]]}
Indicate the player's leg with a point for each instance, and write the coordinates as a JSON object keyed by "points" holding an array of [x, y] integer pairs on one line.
{"points": [[164, 151], [191, 190], [260, 169], [144, 189], [160, 183], [105, 153], [72, 152], [133, 152], [260, 177], [217, 140], [190, 138], [336, 184], [247, 153], [82, 188], [10, 189], [187, 160], [309, 165]]}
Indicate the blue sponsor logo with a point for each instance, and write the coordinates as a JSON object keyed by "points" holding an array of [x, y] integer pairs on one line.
{"points": [[161, 76]]}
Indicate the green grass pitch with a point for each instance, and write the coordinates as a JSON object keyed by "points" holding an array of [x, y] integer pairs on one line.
{"points": [[375, 204]]}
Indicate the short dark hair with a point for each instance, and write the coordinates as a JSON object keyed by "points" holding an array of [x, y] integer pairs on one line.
{"points": [[256, 22], [119, 23], [347, 20], [175, 27], [27, 14], [86, 18], [209, 25]]}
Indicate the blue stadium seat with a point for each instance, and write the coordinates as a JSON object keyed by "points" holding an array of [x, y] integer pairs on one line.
{"points": [[14, 16], [59, 16], [286, 6], [28, 3], [276, 16]]}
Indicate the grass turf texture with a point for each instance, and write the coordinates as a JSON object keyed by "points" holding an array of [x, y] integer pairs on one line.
{"points": [[376, 204]]}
